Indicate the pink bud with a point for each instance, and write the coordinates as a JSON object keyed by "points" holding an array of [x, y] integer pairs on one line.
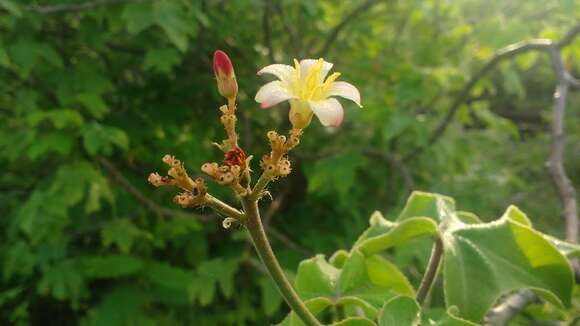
{"points": [[225, 75], [222, 63]]}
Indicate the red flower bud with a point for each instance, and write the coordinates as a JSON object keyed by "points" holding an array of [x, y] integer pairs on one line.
{"points": [[236, 156], [225, 75], [222, 63]]}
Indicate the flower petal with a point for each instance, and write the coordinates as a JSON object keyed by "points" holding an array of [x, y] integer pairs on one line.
{"points": [[305, 65], [329, 112], [283, 72], [271, 94], [346, 90]]}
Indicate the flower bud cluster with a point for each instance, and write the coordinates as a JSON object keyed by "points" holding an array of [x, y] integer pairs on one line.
{"points": [[276, 163], [229, 119], [224, 174], [195, 191], [197, 197], [228, 175]]}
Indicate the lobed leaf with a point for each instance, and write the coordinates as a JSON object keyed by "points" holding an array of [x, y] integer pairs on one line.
{"points": [[499, 257], [400, 311]]}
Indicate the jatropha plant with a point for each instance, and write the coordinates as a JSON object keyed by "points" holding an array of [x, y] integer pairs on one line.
{"points": [[480, 262]]}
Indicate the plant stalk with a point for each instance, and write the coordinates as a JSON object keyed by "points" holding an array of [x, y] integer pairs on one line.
{"points": [[260, 185], [224, 208], [262, 245], [431, 272]]}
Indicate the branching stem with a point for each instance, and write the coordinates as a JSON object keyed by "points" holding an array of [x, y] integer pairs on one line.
{"points": [[262, 245], [224, 209], [260, 185]]}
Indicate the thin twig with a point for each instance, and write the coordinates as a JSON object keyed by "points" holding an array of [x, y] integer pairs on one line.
{"points": [[562, 183], [507, 52], [73, 7], [330, 40], [568, 37], [511, 306], [396, 162], [290, 244], [431, 272], [119, 178]]}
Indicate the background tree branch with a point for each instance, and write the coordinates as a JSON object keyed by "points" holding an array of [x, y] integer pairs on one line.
{"points": [[330, 40], [515, 303], [562, 183], [71, 7], [507, 52]]}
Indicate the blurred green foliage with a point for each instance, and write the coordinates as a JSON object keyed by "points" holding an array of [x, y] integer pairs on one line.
{"points": [[92, 94]]}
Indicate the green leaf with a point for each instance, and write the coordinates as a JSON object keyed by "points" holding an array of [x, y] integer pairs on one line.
{"points": [[11, 7], [423, 204], [60, 118], [450, 319], [62, 281], [98, 189], [371, 280], [7, 296], [50, 142], [385, 274], [94, 104], [499, 257], [516, 215], [122, 233], [400, 311], [351, 304], [139, 16], [169, 16], [120, 307], [271, 298], [339, 258], [71, 181], [566, 248], [468, 217], [335, 174], [219, 271], [111, 266], [355, 321], [99, 138], [316, 278], [315, 305], [4, 58], [25, 54], [168, 276], [161, 60], [384, 234]]}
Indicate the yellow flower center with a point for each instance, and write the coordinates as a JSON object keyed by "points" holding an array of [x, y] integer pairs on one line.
{"points": [[311, 87]]}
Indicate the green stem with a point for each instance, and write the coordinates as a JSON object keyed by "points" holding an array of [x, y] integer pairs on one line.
{"points": [[260, 185], [431, 272], [262, 245], [224, 208]]}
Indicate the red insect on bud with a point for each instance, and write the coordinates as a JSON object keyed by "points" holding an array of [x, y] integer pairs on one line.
{"points": [[225, 75], [235, 156]]}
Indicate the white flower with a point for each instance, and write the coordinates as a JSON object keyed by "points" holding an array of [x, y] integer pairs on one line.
{"points": [[309, 91]]}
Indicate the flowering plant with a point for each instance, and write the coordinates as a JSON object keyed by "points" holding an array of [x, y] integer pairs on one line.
{"points": [[361, 285]]}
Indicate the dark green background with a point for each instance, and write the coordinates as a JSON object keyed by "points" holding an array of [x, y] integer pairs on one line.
{"points": [[93, 94]]}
